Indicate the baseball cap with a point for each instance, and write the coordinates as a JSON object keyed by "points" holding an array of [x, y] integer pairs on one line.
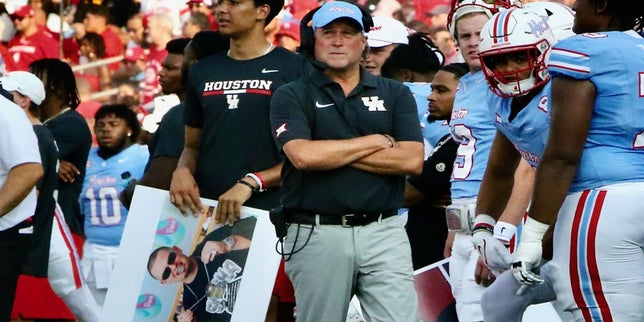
{"points": [[290, 28], [331, 11], [134, 54], [387, 31], [162, 105], [26, 84], [23, 11]]}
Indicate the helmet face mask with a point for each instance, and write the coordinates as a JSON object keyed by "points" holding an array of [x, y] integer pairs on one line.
{"points": [[512, 73], [508, 36]]}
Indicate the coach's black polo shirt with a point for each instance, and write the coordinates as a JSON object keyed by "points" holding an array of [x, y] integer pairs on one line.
{"points": [[315, 108]]}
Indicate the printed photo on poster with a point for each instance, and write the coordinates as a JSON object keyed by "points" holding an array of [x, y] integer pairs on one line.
{"points": [[191, 267]]}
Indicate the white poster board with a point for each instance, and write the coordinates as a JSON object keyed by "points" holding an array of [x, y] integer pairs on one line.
{"points": [[134, 295]]}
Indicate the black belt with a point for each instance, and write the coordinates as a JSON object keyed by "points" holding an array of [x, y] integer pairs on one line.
{"points": [[347, 220]]}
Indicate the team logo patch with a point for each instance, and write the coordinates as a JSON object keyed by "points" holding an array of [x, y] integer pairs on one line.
{"points": [[440, 167], [280, 130], [233, 101], [543, 104], [374, 104]]}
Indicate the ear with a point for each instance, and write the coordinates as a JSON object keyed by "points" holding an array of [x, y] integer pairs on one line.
{"points": [[263, 11], [601, 7], [407, 75]]}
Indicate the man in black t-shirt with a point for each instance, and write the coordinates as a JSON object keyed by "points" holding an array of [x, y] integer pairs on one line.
{"points": [[229, 153], [428, 194], [70, 131]]}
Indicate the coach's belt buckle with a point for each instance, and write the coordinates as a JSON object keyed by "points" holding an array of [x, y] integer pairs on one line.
{"points": [[457, 217], [345, 220]]}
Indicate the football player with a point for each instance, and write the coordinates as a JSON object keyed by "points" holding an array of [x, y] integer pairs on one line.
{"points": [[473, 129], [591, 176], [514, 49], [116, 129]]}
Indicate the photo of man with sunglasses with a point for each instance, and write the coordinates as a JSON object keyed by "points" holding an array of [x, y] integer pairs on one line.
{"points": [[211, 275]]}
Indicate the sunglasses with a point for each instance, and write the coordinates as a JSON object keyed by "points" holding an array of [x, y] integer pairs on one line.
{"points": [[16, 17], [167, 271]]}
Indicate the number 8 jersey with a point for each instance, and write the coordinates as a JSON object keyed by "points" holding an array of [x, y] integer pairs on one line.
{"points": [[473, 129], [99, 200]]}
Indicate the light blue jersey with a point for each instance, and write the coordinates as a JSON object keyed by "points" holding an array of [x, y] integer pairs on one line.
{"points": [[614, 62], [432, 131], [105, 216], [529, 129], [473, 128]]}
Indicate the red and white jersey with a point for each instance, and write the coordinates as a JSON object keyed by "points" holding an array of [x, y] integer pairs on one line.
{"points": [[150, 85], [24, 50]]}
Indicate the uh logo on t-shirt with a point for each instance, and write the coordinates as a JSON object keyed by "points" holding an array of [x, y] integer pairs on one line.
{"points": [[374, 104]]}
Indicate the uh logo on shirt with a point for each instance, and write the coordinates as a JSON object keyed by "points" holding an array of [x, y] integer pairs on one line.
{"points": [[374, 104]]}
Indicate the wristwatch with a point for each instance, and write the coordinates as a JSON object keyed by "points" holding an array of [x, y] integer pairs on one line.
{"points": [[229, 242]]}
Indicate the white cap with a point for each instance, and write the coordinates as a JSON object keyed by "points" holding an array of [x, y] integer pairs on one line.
{"points": [[26, 84], [162, 104], [387, 31]]}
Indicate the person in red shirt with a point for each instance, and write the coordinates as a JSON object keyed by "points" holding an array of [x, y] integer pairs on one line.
{"points": [[32, 42], [158, 32], [96, 20]]}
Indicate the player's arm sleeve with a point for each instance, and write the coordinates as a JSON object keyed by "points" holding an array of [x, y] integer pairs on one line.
{"points": [[437, 171], [48, 154], [287, 116], [67, 137], [170, 136], [570, 58], [406, 124]]}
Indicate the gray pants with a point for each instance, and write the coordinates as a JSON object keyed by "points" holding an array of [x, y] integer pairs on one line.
{"points": [[373, 262], [501, 304]]}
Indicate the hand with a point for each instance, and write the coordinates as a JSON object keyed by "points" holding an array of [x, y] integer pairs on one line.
{"points": [[184, 193], [482, 274], [495, 254], [528, 255], [449, 243], [229, 204], [126, 195], [525, 276], [67, 171], [490, 246], [211, 249], [185, 316]]}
